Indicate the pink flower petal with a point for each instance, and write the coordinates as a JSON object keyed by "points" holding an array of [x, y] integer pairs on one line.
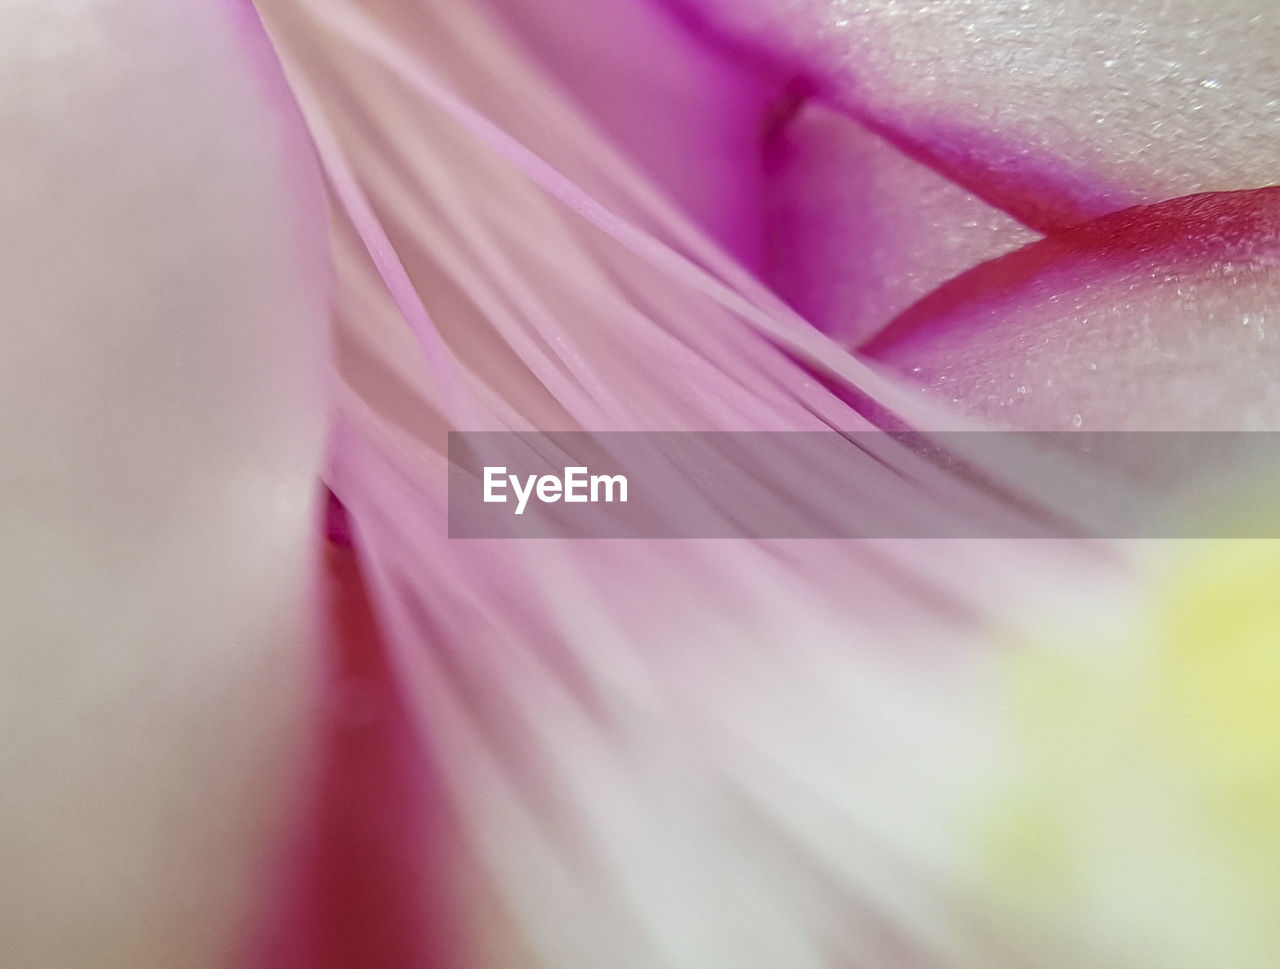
{"points": [[1056, 112], [650, 753], [691, 115], [1155, 318], [164, 300], [858, 231]]}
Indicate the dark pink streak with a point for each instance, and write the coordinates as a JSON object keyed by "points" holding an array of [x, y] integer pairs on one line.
{"points": [[1183, 235], [368, 887]]}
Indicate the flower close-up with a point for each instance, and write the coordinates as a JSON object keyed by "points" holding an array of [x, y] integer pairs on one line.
{"points": [[639, 484]]}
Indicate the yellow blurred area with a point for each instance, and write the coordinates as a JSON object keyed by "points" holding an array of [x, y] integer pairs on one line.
{"points": [[1141, 805]]}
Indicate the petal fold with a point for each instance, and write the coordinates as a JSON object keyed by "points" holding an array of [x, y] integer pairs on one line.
{"points": [[1057, 113], [1161, 317]]}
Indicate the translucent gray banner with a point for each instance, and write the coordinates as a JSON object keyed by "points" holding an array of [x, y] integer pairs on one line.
{"points": [[867, 484]]}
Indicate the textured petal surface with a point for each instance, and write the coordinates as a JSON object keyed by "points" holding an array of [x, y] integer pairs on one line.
{"points": [[1057, 112], [857, 231], [164, 299], [1155, 318]]}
